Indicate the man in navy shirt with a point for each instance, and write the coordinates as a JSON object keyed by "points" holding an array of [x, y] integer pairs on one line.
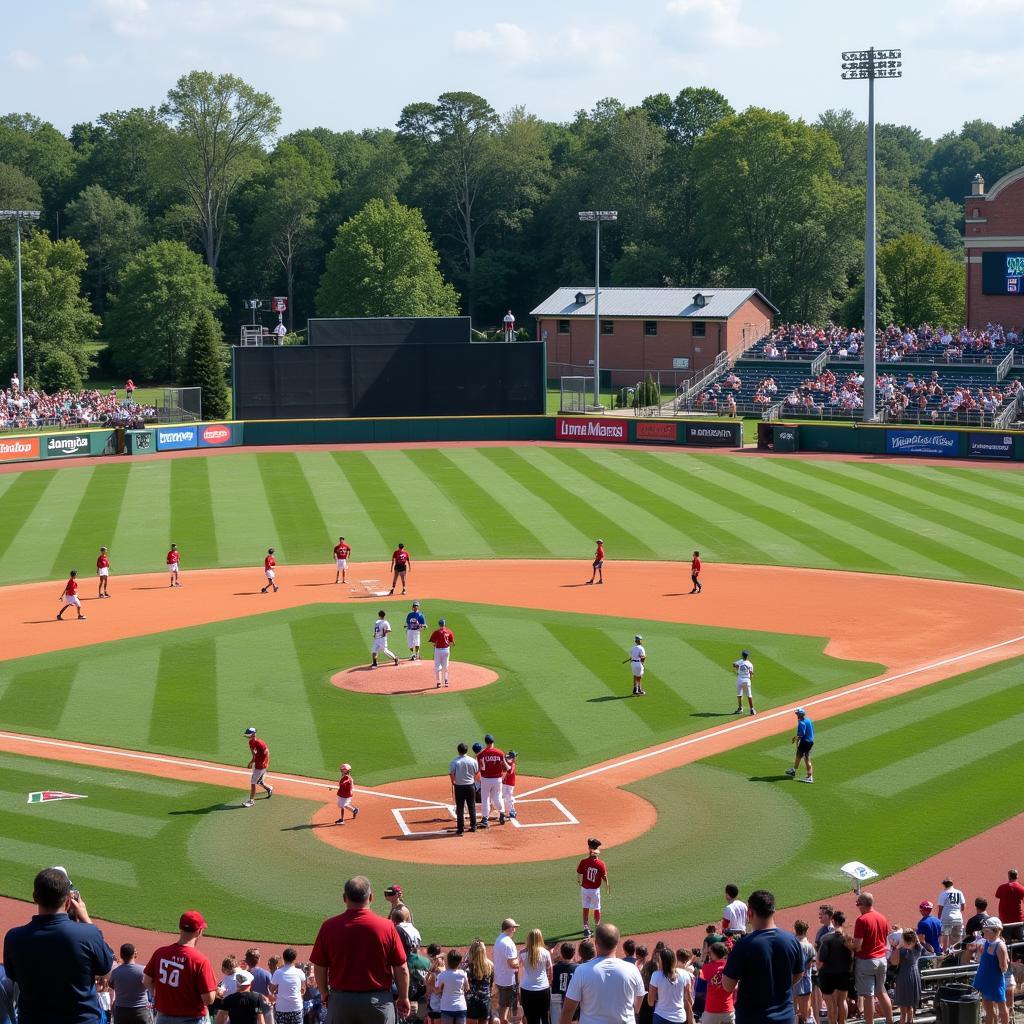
{"points": [[764, 966], [804, 740], [929, 928], [56, 958], [414, 623]]}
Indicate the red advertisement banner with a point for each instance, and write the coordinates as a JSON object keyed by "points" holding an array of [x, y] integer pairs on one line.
{"points": [[647, 430]]}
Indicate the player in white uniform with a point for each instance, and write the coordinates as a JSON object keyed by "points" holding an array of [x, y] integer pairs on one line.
{"points": [[637, 658], [381, 628], [744, 683]]}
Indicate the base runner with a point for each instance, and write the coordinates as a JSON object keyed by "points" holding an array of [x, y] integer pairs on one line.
{"points": [[443, 640], [259, 763], [174, 565], [345, 784], [591, 872], [69, 595], [270, 571], [341, 553], [103, 572], [381, 629]]}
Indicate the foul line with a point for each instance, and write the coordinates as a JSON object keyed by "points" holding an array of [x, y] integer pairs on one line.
{"points": [[202, 765], [777, 713]]}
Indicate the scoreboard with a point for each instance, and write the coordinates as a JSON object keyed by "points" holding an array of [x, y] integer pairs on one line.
{"points": [[1002, 273]]}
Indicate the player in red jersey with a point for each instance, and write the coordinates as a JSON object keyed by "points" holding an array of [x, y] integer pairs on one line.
{"points": [[400, 565], [592, 871], [598, 565], [259, 763], [103, 571], [508, 785], [69, 595], [345, 794], [492, 765], [695, 573], [341, 553], [268, 570], [174, 565], [443, 640]]}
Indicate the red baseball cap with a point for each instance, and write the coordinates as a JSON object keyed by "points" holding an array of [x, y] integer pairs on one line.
{"points": [[191, 921]]}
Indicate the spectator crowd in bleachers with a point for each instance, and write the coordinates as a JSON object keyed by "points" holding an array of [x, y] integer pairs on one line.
{"points": [[33, 408]]}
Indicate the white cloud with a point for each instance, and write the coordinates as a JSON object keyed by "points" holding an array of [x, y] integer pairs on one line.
{"points": [[718, 22], [22, 60], [511, 44]]}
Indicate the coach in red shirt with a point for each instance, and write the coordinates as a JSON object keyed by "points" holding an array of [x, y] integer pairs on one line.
{"points": [[356, 957], [179, 976]]}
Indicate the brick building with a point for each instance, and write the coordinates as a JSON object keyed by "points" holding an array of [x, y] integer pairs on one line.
{"points": [[994, 244], [644, 330]]}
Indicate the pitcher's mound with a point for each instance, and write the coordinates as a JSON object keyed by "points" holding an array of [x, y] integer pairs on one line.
{"points": [[412, 677]]}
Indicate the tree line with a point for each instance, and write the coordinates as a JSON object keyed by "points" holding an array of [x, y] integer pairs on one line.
{"points": [[154, 216]]}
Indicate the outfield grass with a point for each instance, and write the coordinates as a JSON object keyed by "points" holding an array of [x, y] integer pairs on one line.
{"points": [[952, 752], [554, 702], [941, 522]]}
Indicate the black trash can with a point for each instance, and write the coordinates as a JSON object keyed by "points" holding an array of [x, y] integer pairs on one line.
{"points": [[957, 1004]]}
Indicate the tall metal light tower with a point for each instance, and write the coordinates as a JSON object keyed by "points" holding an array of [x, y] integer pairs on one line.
{"points": [[597, 216], [18, 216], [871, 64]]}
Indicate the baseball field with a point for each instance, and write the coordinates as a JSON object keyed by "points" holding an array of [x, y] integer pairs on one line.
{"points": [[884, 597]]}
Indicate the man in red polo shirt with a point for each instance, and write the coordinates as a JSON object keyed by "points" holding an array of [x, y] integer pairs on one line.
{"points": [[1011, 902], [356, 957], [179, 976], [870, 951]]}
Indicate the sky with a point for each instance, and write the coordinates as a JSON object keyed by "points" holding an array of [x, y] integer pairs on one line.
{"points": [[353, 64]]}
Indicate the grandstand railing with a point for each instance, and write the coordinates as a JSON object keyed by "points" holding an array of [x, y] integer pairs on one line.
{"points": [[937, 358], [942, 418], [1004, 367], [773, 412], [818, 364], [1008, 415], [688, 391], [56, 423]]}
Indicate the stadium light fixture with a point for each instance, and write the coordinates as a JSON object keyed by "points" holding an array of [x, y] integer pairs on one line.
{"points": [[597, 216], [18, 216], [871, 64]]}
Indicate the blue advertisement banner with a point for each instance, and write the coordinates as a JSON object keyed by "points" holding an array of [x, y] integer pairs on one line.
{"points": [[991, 446], [171, 438], [921, 442]]}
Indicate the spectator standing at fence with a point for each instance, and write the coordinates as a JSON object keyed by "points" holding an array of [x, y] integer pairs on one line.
{"points": [[357, 958], [179, 976], [763, 967], [606, 990], [288, 986], [905, 957], [870, 934], [129, 388], [55, 958], [951, 904], [509, 324], [990, 978], [130, 1003], [929, 931], [1011, 904], [506, 971]]}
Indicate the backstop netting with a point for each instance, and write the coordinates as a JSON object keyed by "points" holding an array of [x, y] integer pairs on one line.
{"points": [[180, 405], [577, 394]]}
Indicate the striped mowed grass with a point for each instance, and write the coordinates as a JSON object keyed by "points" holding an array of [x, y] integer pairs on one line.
{"points": [[942, 522], [935, 750], [193, 692]]}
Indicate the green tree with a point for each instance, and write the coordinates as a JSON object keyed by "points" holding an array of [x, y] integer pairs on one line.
{"points": [[160, 295], [111, 232], [205, 365], [17, 192], [221, 124], [384, 264], [57, 317], [926, 281], [39, 150], [851, 312], [298, 180], [60, 372]]}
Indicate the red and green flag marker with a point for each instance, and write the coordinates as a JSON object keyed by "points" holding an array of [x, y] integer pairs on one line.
{"points": [[46, 796]]}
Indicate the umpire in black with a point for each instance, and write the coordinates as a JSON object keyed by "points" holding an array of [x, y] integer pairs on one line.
{"points": [[463, 772]]}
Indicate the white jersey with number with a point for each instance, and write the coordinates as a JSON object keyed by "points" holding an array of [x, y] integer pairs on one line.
{"points": [[381, 628], [744, 670], [951, 906]]}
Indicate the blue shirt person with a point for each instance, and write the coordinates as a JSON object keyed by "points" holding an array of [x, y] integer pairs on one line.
{"points": [[929, 928], [804, 740], [414, 623]]}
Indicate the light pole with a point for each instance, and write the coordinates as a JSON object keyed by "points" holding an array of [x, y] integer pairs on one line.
{"points": [[870, 64], [597, 216], [18, 216]]}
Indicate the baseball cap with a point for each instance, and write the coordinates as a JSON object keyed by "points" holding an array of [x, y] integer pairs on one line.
{"points": [[477, 747], [393, 890], [415, 604], [594, 844], [251, 731], [991, 922], [512, 754], [599, 541], [191, 921], [243, 977], [745, 654], [346, 767], [638, 638], [926, 905], [488, 738], [800, 712], [440, 622]]}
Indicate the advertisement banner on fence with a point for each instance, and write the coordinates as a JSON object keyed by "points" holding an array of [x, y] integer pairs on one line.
{"points": [[141, 442], [921, 442], [219, 435], [590, 429], [711, 435], [991, 446], [15, 448], [65, 446], [648, 430], [169, 439]]}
